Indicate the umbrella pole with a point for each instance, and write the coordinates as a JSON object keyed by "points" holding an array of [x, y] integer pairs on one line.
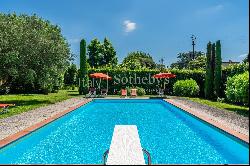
{"points": [[107, 84]]}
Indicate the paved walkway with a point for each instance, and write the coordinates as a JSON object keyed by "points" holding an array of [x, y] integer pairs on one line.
{"points": [[19, 122]]}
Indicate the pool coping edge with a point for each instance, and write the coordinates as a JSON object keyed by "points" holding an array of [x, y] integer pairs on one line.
{"points": [[13, 137]]}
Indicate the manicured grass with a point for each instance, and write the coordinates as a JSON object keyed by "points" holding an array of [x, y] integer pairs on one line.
{"points": [[242, 110], [26, 102]]}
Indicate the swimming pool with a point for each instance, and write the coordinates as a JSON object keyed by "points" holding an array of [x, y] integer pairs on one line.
{"points": [[171, 135]]}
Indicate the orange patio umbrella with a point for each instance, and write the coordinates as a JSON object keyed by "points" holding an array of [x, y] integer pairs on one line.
{"points": [[101, 76], [163, 75]]}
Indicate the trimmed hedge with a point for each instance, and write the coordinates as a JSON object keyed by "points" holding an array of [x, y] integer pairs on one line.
{"points": [[119, 78], [232, 70], [237, 89], [186, 88], [126, 78]]}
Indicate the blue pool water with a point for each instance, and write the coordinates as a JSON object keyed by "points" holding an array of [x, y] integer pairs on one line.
{"points": [[168, 133]]}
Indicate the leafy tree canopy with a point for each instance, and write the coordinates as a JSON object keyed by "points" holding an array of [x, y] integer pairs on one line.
{"points": [[95, 53], [198, 63], [185, 58], [109, 54], [101, 54], [70, 75], [33, 52], [138, 60], [246, 59]]}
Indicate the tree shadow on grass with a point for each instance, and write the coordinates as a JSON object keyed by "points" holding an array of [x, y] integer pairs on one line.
{"points": [[239, 111], [26, 102], [72, 91], [73, 94], [157, 97], [22, 106]]}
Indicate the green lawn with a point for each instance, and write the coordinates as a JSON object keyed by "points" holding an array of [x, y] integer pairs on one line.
{"points": [[26, 102], [242, 110]]}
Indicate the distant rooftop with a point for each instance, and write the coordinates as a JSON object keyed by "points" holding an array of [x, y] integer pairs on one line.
{"points": [[230, 62]]}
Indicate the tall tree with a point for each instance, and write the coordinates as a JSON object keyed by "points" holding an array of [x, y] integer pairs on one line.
{"points": [[109, 54], [138, 60], [213, 67], [209, 73], [70, 75], [83, 73], [198, 63], [184, 59], [217, 70], [33, 53], [246, 59], [95, 53]]}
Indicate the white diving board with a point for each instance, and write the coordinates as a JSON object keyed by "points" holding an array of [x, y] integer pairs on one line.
{"points": [[125, 148]]}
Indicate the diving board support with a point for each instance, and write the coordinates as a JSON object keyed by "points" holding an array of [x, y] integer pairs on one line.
{"points": [[125, 148]]}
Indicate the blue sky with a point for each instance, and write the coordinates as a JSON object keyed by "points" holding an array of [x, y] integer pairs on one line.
{"points": [[159, 27]]}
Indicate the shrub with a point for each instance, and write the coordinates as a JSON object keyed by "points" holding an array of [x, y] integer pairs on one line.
{"points": [[221, 100], [55, 89], [140, 91], [66, 87], [4, 90], [186, 88], [237, 88], [232, 70], [128, 90]]}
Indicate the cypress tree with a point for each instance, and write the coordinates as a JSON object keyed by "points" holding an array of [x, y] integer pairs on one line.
{"points": [[83, 68], [209, 73], [217, 70], [212, 69]]}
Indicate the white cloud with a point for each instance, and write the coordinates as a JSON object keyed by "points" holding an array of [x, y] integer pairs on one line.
{"points": [[129, 26], [76, 40], [210, 10], [243, 55]]}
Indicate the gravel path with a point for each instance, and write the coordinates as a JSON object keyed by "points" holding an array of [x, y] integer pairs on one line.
{"points": [[16, 123], [228, 118]]}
